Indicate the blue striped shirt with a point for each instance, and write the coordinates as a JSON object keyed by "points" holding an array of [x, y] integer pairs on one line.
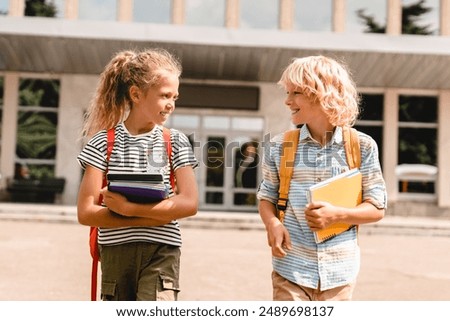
{"points": [[139, 153], [335, 262]]}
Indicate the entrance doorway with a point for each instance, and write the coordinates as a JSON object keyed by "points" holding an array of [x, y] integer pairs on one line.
{"points": [[228, 149]]}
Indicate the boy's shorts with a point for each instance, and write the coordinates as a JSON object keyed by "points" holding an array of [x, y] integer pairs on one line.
{"points": [[140, 271], [285, 290]]}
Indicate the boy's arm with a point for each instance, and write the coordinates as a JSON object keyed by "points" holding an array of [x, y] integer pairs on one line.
{"points": [[319, 215], [277, 235]]}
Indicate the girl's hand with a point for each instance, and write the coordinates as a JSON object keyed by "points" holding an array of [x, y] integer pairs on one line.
{"points": [[114, 201]]}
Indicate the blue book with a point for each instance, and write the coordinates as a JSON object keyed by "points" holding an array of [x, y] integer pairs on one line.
{"points": [[138, 187]]}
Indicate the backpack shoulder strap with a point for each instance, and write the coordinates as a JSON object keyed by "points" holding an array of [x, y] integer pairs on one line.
{"points": [[168, 144], [352, 148], [287, 160], [93, 234]]}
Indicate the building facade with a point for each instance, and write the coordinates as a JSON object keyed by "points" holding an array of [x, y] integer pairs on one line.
{"points": [[233, 53]]}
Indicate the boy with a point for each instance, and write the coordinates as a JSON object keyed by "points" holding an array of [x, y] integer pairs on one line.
{"points": [[323, 98]]}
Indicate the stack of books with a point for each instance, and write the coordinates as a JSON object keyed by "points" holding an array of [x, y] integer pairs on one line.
{"points": [[138, 187], [343, 190]]}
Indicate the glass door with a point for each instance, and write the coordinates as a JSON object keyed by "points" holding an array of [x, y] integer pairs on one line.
{"points": [[228, 151]]}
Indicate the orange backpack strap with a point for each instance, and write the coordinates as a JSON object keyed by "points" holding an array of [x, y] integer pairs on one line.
{"points": [[287, 160], [352, 148], [168, 144], [93, 235]]}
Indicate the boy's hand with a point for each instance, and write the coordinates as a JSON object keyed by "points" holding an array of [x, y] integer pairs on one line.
{"points": [[278, 238], [319, 215]]}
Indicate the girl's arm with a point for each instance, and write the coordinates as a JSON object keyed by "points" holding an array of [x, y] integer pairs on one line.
{"points": [[183, 204], [92, 214]]}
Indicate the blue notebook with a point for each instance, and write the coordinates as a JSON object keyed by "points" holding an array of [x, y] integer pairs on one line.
{"points": [[138, 187]]}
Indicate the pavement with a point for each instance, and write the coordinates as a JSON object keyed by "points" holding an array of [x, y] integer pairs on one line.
{"points": [[225, 257], [405, 225]]}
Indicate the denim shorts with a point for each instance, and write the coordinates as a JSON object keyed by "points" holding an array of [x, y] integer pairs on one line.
{"points": [[140, 271]]}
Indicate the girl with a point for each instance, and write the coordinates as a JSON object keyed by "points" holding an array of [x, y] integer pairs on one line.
{"points": [[139, 243]]}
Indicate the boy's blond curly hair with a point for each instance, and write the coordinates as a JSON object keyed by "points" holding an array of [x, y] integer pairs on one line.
{"points": [[328, 82]]}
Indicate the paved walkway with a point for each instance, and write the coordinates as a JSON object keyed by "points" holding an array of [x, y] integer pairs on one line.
{"points": [[224, 257]]}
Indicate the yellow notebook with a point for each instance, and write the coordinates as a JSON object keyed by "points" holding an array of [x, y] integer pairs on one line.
{"points": [[343, 190]]}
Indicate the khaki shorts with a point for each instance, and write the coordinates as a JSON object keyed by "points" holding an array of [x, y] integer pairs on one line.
{"points": [[285, 290], [140, 271]]}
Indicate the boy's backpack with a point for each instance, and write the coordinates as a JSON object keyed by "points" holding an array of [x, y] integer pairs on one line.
{"points": [[93, 234], [290, 142]]}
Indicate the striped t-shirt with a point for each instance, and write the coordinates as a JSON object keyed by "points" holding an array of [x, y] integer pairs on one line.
{"points": [[139, 154], [335, 262]]}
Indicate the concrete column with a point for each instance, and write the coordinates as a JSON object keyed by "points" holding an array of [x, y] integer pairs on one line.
{"points": [[394, 17], [75, 94], [71, 10], [339, 15], [390, 143], [125, 10], [9, 125], [232, 15], [16, 8], [443, 179], [178, 12], [286, 16], [444, 21]]}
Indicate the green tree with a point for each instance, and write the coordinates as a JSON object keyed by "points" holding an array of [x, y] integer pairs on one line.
{"points": [[40, 8], [411, 15]]}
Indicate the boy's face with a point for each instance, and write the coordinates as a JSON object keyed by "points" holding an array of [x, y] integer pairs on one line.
{"points": [[303, 110]]}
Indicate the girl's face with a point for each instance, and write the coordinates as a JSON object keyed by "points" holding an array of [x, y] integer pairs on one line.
{"points": [[158, 102], [303, 110]]}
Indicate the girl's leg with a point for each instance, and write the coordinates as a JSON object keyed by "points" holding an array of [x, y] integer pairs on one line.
{"points": [[159, 276]]}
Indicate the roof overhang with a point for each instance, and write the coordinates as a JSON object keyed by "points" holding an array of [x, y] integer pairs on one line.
{"points": [[51, 45]]}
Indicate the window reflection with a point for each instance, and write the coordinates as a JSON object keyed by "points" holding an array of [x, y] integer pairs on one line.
{"points": [[154, 11], [37, 125], [377, 9], [205, 12], [4, 7], [97, 9], [263, 15], [312, 17]]}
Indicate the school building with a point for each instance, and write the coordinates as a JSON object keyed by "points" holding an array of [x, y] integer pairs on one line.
{"points": [[233, 53]]}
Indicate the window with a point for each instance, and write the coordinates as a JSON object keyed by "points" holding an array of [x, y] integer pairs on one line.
{"points": [[417, 138], [205, 12], [4, 7], [154, 11], [311, 17], [97, 9], [377, 9], [1, 108], [264, 15], [428, 20], [371, 119], [60, 9], [36, 125]]}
